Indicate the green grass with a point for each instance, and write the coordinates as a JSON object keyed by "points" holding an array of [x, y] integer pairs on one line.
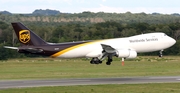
{"points": [[125, 88], [43, 68]]}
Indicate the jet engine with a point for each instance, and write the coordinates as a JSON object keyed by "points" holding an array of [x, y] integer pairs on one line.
{"points": [[126, 53]]}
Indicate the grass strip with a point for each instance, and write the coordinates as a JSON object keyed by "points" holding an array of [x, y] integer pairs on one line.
{"points": [[43, 68]]}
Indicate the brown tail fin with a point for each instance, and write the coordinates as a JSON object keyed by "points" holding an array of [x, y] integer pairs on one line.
{"points": [[26, 36]]}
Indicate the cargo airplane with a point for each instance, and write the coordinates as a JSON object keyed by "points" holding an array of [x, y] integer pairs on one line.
{"points": [[98, 50]]}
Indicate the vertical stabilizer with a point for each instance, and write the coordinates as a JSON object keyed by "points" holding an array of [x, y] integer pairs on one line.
{"points": [[26, 36]]}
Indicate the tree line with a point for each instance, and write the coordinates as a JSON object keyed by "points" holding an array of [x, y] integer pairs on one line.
{"points": [[90, 17]]}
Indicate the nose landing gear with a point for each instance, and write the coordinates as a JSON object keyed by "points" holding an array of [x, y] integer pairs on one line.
{"points": [[160, 53]]}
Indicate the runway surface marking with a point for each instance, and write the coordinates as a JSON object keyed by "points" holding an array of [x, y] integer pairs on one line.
{"points": [[5, 84]]}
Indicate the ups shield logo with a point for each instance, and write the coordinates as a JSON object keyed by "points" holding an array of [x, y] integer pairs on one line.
{"points": [[24, 36]]}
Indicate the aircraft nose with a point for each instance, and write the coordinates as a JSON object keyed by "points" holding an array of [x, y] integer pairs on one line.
{"points": [[172, 41]]}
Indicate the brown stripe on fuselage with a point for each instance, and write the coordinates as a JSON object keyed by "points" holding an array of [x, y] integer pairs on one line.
{"points": [[54, 50], [73, 47], [64, 46], [51, 49]]}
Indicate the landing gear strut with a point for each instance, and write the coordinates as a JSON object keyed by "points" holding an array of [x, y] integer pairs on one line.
{"points": [[109, 60], [160, 53]]}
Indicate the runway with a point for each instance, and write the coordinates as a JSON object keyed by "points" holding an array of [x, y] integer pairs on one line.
{"points": [[5, 84]]}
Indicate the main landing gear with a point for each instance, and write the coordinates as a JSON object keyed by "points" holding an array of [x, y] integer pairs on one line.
{"points": [[109, 60], [95, 61]]}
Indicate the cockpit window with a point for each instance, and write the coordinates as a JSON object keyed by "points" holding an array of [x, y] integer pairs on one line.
{"points": [[165, 35]]}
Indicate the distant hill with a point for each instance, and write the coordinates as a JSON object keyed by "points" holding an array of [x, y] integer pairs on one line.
{"points": [[49, 12], [37, 12], [87, 17], [5, 12], [45, 12]]}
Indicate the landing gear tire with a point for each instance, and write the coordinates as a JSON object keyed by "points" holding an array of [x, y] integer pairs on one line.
{"points": [[109, 62], [91, 62], [100, 62], [95, 61], [160, 55]]}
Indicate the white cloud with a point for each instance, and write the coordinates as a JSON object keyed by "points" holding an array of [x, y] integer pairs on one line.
{"points": [[8, 1], [80, 1], [68, 1], [76, 6], [103, 8]]}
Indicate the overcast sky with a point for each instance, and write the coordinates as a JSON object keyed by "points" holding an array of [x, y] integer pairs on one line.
{"points": [[77, 6]]}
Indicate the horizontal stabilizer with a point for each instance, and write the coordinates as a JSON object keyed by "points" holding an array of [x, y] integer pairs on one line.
{"points": [[11, 47]]}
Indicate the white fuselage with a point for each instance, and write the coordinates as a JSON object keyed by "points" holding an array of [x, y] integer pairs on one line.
{"points": [[140, 43]]}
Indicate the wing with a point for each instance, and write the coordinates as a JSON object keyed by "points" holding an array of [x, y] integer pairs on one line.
{"points": [[108, 51], [122, 53], [108, 48]]}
